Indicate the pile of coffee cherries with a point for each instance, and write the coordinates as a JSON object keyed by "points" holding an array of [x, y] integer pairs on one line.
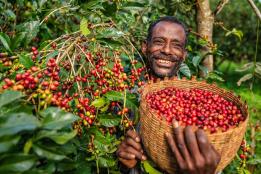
{"points": [[198, 107]]}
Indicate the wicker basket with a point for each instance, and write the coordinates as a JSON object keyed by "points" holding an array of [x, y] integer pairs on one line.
{"points": [[153, 129]]}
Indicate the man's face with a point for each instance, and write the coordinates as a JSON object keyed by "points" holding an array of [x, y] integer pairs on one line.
{"points": [[165, 51]]}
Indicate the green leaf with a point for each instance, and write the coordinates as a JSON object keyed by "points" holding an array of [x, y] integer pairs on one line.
{"points": [[9, 97], [258, 66], [114, 96], [109, 33], [203, 69], [245, 171], [7, 142], [58, 137], [93, 5], [17, 41], [16, 122], [4, 38], [101, 145], [254, 161], [65, 166], [26, 61], [42, 2], [55, 118], [99, 102], [52, 55], [17, 163], [91, 158], [69, 147], [109, 120], [235, 32], [83, 27], [16, 107], [83, 168], [28, 146], [63, 73], [258, 136], [244, 78], [245, 67], [113, 44], [202, 42], [31, 28], [48, 152], [106, 162], [131, 100], [258, 70], [196, 60], [149, 169], [215, 77], [10, 14], [184, 69], [105, 108], [42, 169], [43, 45]]}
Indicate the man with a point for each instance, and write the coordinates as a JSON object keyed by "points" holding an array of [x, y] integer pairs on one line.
{"points": [[165, 51]]}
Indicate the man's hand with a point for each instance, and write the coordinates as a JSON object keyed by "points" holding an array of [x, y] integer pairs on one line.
{"points": [[130, 150], [193, 151]]}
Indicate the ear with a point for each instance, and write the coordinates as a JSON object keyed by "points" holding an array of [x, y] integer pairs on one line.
{"points": [[144, 47]]}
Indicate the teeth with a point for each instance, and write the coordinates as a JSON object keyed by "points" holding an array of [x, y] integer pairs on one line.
{"points": [[164, 61]]}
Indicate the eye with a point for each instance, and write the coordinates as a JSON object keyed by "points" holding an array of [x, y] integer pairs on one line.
{"points": [[158, 42], [177, 46]]}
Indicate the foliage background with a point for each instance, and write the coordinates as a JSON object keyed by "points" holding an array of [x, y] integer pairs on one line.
{"points": [[25, 23]]}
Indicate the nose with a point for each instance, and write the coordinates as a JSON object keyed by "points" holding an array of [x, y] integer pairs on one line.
{"points": [[166, 49]]}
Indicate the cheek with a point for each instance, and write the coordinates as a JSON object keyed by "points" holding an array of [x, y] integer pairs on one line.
{"points": [[154, 48]]}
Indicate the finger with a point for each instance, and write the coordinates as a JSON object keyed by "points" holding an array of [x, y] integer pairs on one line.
{"points": [[218, 157], [207, 151], [175, 150], [126, 155], [137, 154], [180, 143], [126, 143], [133, 135], [128, 163], [192, 143], [216, 154], [203, 143], [133, 143]]}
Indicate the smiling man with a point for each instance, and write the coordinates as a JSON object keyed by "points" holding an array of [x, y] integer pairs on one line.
{"points": [[165, 47], [165, 51]]}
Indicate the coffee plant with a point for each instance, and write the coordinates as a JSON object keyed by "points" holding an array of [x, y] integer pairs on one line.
{"points": [[82, 74]]}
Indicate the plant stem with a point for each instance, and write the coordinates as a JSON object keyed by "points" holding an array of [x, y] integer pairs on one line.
{"points": [[67, 50], [257, 39], [46, 17], [88, 59], [97, 165], [256, 10]]}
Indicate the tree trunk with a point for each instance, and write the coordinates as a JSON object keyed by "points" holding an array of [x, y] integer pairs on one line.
{"points": [[205, 21]]}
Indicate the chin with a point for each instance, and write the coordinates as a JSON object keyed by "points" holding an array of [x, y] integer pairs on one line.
{"points": [[162, 74]]}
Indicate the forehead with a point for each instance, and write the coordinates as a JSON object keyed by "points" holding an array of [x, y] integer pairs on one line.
{"points": [[169, 30]]}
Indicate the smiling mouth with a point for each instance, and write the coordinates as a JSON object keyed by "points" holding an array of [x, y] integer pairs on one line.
{"points": [[164, 63]]}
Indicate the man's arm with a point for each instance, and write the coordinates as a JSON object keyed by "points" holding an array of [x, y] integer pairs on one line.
{"points": [[193, 151]]}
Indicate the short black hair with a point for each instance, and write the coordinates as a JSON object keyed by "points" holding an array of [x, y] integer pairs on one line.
{"points": [[170, 19]]}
